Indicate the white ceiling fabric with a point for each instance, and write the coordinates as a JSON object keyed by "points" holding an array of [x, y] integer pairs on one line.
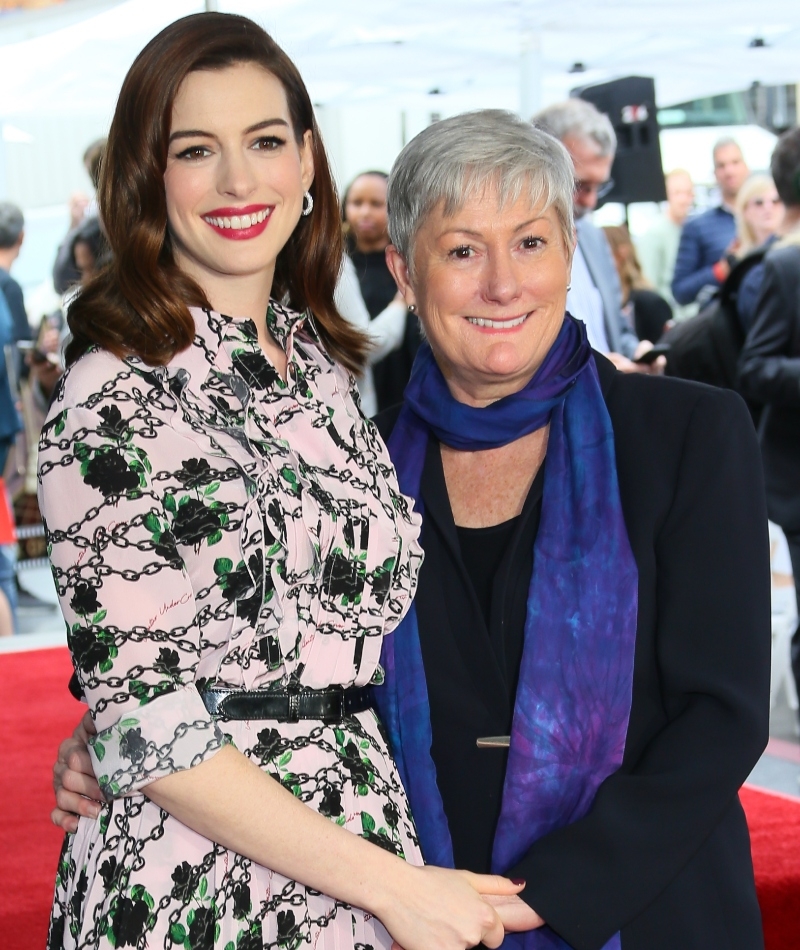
{"points": [[360, 50]]}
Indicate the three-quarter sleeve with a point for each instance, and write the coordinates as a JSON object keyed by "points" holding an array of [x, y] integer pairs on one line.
{"points": [[126, 596]]}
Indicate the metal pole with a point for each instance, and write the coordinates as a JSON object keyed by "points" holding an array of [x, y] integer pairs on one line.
{"points": [[211, 6]]}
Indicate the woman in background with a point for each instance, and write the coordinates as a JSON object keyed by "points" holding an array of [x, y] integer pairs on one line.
{"points": [[367, 237], [647, 310], [759, 213], [760, 216]]}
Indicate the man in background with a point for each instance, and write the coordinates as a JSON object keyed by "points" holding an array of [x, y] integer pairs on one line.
{"points": [[12, 233], [708, 240], [658, 247], [595, 296]]}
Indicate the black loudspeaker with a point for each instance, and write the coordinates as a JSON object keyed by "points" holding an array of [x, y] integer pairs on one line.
{"points": [[630, 103]]}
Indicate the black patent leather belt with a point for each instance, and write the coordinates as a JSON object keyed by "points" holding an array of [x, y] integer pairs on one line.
{"points": [[290, 704]]}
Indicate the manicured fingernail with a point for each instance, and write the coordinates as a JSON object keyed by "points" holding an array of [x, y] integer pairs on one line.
{"points": [[95, 810], [519, 881]]}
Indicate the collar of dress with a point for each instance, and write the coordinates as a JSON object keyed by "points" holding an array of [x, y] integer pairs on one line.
{"points": [[190, 368]]}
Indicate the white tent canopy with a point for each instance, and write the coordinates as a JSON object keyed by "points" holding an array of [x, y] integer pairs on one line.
{"points": [[378, 72], [470, 50]]}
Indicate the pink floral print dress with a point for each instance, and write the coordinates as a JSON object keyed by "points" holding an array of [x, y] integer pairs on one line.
{"points": [[210, 524]]}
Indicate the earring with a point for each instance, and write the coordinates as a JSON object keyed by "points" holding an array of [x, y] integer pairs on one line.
{"points": [[569, 286], [412, 307], [308, 204]]}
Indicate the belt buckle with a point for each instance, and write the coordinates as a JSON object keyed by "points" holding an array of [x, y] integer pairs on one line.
{"points": [[293, 692]]}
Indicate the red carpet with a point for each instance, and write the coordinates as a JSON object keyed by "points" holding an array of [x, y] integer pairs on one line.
{"points": [[37, 712], [774, 822]]}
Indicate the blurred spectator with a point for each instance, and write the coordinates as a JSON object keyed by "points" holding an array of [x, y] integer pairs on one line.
{"points": [[646, 309], [759, 216], [770, 362], [707, 241], [10, 425], [595, 296], [88, 249], [12, 234], [81, 208], [758, 213], [385, 331], [658, 247], [367, 237]]}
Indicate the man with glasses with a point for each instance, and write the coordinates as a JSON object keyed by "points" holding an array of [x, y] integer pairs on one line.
{"points": [[705, 251], [595, 295]]}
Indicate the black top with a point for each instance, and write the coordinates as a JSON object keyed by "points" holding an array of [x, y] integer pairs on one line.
{"points": [[482, 550], [374, 278], [651, 313], [378, 289], [502, 582], [663, 854]]}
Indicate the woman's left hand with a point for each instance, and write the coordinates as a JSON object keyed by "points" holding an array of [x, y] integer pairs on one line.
{"points": [[515, 914]]}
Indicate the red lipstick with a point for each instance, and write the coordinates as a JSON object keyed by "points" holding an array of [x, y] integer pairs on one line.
{"points": [[219, 218]]}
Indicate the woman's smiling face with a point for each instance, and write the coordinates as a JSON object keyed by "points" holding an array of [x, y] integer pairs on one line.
{"points": [[235, 175], [490, 286], [365, 212]]}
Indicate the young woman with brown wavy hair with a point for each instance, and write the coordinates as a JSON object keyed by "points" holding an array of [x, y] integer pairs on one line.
{"points": [[229, 542]]}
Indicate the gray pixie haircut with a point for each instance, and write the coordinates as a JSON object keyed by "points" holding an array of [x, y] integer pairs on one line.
{"points": [[577, 118], [11, 224], [461, 157]]}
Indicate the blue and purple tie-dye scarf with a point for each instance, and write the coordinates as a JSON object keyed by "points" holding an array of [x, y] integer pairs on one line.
{"points": [[574, 696]]}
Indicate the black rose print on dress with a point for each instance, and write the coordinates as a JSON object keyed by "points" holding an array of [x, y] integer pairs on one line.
{"points": [[241, 899], [288, 931], [110, 473], [331, 804], [195, 522], [92, 649], [201, 929], [129, 919], [117, 466], [84, 599], [133, 746], [185, 878], [345, 578], [195, 473], [113, 427]]}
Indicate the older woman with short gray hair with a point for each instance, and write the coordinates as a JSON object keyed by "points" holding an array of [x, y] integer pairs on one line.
{"points": [[582, 684]]}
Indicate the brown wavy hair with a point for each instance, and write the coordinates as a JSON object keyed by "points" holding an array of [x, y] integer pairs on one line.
{"points": [[137, 305]]}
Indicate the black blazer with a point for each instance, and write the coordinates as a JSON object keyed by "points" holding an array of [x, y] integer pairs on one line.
{"points": [[769, 373], [664, 855]]}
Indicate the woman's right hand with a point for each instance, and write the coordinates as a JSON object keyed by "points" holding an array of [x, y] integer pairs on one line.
{"points": [[76, 788], [444, 909]]}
